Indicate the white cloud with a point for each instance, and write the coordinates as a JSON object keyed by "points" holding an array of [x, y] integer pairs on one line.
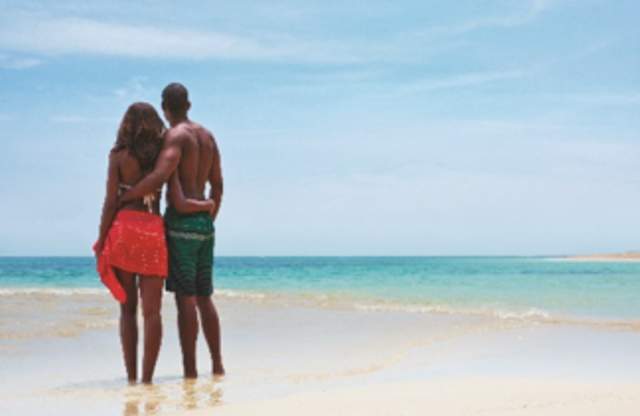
{"points": [[622, 99], [14, 62], [376, 89], [70, 35], [38, 33], [463, 80], [71, 119], [74, 35], [134, 90], [29, 32], [533, 11]]}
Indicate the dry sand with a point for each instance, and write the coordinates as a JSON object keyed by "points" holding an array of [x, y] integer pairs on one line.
{"points": [[613, 257]]}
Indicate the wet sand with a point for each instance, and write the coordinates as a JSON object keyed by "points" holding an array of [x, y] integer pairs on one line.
{"points": [[284, 357], [460, 397]]}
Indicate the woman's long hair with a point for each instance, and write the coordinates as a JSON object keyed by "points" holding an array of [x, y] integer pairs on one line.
{"points": [[141, 133]]}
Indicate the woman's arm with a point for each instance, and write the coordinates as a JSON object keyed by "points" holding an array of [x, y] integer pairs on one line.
{"points": [[184, 205], [110, 205]]}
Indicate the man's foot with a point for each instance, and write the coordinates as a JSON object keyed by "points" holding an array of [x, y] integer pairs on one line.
{"points": [[218, 369], [190, 374]]}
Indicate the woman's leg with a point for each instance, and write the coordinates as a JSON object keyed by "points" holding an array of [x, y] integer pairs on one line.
{"points": [[151, 293], [129, 324]]}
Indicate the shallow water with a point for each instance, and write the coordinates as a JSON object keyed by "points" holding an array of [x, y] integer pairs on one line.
{"points": [[298, 324], [510, 287], [293, 325], [274, 349]]}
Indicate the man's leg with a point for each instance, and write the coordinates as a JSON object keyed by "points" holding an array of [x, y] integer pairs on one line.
{"points": [[181, 280], [208, 312], [129, 324], [211, 329], [188, 329], [151, 293]]}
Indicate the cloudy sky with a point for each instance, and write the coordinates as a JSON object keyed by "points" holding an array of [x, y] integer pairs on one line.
{"points": [[346, 128]]}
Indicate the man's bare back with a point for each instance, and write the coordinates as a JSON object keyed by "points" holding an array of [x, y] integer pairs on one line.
{"points": [[199, 158]]}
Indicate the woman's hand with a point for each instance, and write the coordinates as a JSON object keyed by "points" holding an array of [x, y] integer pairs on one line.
{"points": [[98, 247]]}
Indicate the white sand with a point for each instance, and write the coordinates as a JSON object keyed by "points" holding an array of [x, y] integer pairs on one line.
{"points": [[611, 257], [296, 359], [460, 397]]}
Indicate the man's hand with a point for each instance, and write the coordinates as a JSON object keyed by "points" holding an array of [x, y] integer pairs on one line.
{"points": [[212, 207]]}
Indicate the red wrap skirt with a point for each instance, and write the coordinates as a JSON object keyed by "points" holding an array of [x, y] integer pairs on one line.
{"points": [[135, 243]]}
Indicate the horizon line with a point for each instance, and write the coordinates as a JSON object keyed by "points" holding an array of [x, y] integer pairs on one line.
{"points": [[342, 255]]}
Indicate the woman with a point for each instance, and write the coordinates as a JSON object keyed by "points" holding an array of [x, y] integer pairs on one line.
{"points": [[131, 243]]}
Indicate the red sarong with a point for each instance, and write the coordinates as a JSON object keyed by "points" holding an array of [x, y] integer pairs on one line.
{"points": [[135, 243]]}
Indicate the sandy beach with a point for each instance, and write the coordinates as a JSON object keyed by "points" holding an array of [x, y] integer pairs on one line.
{"points": [[632, 256], [285, 356], [460, 397]]}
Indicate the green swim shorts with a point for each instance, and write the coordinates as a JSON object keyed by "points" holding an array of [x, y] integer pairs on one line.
{"points": [[190, 241]]}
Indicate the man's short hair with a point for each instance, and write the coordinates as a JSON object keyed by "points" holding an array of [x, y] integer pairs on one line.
{"points": [[175, 98]]}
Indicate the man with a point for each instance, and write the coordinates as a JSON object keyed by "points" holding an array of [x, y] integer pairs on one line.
{"points": [[190, 154]]}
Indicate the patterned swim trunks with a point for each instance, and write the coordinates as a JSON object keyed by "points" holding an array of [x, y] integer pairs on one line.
{"points": [[190, 240]]}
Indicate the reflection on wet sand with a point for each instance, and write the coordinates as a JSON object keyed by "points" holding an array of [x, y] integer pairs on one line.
{"points": [[189, 397], [131, 408], [158, 399]]}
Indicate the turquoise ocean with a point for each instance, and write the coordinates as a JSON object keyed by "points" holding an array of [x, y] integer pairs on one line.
{"points": [[505, 287]]}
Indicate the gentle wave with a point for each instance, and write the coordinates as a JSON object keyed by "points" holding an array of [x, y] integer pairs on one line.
{"points": [[66, 328], [323, 300], [235, 294], [102, 291], [51, 291], [529, 314]]}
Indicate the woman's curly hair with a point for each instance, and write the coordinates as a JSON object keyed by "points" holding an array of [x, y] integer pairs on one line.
{"points": [[141, 132]]}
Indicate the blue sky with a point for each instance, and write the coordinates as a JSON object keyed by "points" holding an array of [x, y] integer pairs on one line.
{"points": [[348, 128]]}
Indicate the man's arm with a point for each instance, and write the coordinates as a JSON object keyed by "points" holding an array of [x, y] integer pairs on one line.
{"points": [[186, 205], [165, 165], [215, 180]]}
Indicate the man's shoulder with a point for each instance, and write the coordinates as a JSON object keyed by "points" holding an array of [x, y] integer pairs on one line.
{"points": [[203, 133], [177, 134], [201, 130]]}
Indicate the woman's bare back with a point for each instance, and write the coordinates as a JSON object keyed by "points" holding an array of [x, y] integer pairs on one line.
{"points": [[130, 173]]}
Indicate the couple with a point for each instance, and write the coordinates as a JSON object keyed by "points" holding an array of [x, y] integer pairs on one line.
{"points": [[136, 248]]}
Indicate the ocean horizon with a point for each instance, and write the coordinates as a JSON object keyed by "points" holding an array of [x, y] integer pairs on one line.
{"points": [[509, 287]]}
